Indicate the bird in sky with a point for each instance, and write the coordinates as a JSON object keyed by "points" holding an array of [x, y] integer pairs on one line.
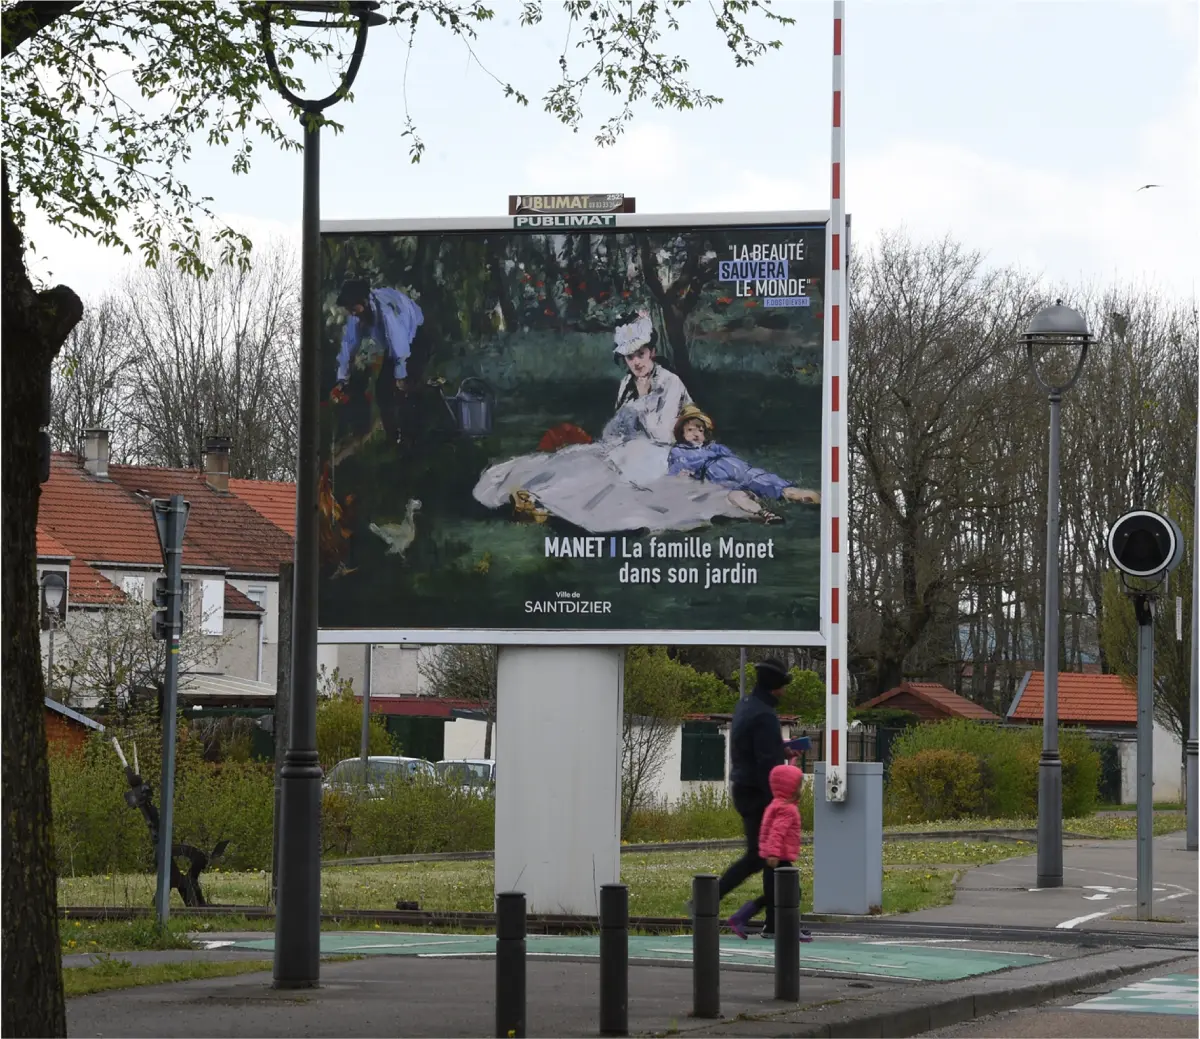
{"points": [[1145, 186]]}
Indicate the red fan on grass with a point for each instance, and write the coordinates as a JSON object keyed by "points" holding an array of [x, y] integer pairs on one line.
{"points": [[561, 435]]}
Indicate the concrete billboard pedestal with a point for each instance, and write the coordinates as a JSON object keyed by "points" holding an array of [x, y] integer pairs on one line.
{"points": [[558, 774], [848, 842]]}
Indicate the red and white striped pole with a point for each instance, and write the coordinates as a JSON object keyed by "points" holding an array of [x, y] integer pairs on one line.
{"points": [[837, 321]]}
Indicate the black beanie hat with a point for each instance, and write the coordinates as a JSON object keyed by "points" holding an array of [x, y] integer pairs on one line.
{"points": [[355, 290], [771, 673]]}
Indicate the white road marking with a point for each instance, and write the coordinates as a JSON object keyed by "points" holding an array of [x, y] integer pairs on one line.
{"points": [[1076, 921], [920, 941], [216, 944]]}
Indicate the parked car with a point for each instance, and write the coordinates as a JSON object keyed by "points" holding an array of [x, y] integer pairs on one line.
{"points": [[382, 770], [474, 775]]}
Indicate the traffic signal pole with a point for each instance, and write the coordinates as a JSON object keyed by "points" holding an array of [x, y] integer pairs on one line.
{"points": [[170, 517]]}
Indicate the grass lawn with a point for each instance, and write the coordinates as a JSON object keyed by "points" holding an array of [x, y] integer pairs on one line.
{"points": [[110, 973], [1102, 826], [658, 883], [1159, 806], [122, 935]]}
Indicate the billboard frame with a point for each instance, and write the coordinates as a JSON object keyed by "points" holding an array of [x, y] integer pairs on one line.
{"points": [[617, 222]]}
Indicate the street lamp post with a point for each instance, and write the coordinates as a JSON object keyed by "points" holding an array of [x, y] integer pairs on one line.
{"points": [[1059, 328], [298, 903], [54, 588], [1193, 831]]}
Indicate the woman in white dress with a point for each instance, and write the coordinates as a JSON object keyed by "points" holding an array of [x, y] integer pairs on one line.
{"points": [[620, 481]]}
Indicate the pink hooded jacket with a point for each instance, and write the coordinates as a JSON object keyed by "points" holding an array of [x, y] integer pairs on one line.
{"points": [[779, 837]]}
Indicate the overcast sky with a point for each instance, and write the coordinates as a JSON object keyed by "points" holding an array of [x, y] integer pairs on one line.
{"points": [[1021, 128]]}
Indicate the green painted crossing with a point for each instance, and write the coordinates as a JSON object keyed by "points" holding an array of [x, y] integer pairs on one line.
{"points": [[1172, 994], [928, 960]]}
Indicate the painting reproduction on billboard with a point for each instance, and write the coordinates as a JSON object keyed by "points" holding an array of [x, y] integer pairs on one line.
{"points": [[598, 426]]}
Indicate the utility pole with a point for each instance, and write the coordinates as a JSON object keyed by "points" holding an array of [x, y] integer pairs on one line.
{"points": [[170, 520]]}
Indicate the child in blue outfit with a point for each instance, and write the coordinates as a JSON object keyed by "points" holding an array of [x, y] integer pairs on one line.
{"points": [[698, 456]]}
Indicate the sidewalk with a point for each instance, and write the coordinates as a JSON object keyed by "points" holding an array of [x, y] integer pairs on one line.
{"points": [[1099, 883], [414, 985]]}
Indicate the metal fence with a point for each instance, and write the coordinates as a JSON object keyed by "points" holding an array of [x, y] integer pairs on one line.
{"points": [[868, 743]]}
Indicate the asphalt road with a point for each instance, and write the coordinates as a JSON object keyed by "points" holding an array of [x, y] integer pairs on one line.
{"points": [[1099, 1013]]}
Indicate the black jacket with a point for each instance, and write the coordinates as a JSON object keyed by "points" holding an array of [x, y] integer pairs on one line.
{"points": [[756, 742]]}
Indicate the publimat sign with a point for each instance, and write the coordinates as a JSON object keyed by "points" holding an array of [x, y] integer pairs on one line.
{"points": [[613, 431]]}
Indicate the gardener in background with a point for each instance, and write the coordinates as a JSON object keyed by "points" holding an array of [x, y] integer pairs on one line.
{"points": [[391, 319], [756, 747]]}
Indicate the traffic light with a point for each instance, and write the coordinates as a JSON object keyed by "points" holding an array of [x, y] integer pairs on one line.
{"points": [[162, 609], [1145, 544]]}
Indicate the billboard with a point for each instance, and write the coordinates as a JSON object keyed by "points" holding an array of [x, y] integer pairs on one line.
{"points": [[574, 428]]}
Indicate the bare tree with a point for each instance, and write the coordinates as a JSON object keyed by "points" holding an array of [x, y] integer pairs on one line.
{"points": [[467, 673], [92, 377], [218, 356], [932, 336]]}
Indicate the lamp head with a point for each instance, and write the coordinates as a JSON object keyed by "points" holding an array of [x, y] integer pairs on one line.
{"points": [[54, 590], [1058, 330]]}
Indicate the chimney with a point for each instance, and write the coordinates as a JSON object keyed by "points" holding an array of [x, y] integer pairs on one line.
{"points": [[216, 463], [95, 452]]}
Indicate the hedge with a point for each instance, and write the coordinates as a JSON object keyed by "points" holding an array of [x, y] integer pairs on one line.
{"points": [[1007, 758]]}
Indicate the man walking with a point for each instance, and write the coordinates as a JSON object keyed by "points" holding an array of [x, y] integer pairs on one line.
{"points": [[756, 747], [391, 319]]}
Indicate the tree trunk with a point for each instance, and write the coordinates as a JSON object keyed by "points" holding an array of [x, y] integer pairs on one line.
{"points": [[673, 322], [500, 286], [487, 739], [34, 327]]}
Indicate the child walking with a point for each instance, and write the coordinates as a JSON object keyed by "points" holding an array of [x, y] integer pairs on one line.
{"points": [[778, 840], [697, 455]]}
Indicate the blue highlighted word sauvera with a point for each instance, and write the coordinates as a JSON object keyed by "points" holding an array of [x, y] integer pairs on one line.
{"points": [[752, 270]]}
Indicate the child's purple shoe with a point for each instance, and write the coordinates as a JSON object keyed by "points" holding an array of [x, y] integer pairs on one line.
{"points": [[737, 922]]}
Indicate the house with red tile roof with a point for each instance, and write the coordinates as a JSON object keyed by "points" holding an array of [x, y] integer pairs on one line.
{"points": [[1106, 706], [930, 701], [275, 501], [96, 529]]}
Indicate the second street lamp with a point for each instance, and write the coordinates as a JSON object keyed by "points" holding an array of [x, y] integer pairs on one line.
{"points": [[54, 588], [1055, 329], [298, 901]]}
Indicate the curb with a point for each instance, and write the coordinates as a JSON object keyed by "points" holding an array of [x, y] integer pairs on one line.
{"points": [[913, 1012]]}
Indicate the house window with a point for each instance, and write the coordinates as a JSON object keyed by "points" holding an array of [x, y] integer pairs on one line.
{"points": [[134, 587], [703, 752], [212, 606], [258, 596]]}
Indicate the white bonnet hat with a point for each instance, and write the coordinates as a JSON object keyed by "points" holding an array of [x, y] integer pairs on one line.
{"points": [[628, 339]]}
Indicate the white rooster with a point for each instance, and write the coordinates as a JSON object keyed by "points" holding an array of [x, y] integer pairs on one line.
{"points": [[399, 536]]}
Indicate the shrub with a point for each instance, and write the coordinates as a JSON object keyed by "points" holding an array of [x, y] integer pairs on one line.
{"points": [[339, 728], [704, 814], [1081, 773], [234, 801], [1008, 763], [935, 784], [411, 817]]}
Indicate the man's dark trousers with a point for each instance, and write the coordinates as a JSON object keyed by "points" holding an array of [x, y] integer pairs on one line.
{"points": [[386, 396], [751, 803]]}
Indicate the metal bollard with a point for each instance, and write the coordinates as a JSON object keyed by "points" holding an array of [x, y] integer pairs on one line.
{"points": [[787, 934], [614, 959], [510, 965], [706, 946]]}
